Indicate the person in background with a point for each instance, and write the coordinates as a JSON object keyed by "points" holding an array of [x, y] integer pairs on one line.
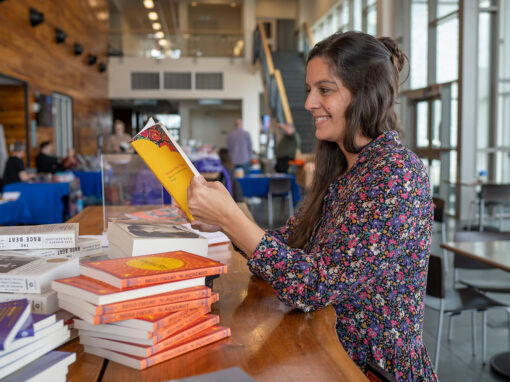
{"points": [[239, 146], [45, 161], [70, 161], [226, 161], [361, 241], [287, 147], [213, 169], [14, 167], [118, 142]]}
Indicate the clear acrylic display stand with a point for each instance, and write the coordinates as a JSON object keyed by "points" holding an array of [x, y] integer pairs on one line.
{"points": [[128, 186]]}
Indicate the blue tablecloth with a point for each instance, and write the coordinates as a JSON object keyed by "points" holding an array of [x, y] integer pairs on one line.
{"points": [[14, 212], [44, 201], [258, 185], [90, 182]]}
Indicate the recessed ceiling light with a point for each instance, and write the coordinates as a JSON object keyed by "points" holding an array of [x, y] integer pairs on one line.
{"points": [[163, 42], [156, 26], [193, 3], [149, 4], [102, 15], [159, 34], [233, 4], [153, 16]]}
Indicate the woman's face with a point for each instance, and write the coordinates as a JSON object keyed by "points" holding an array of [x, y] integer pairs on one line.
{"points": [[327, 100]]}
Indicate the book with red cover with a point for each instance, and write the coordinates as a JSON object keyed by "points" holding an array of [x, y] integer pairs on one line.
{"points": [[144, 302], [135, 349], [77, 309], [204, 338], [99, 293], [151, 269], [171, 323]]}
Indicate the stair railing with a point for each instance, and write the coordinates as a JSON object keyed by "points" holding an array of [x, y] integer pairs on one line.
{"points": [[277, 96]]}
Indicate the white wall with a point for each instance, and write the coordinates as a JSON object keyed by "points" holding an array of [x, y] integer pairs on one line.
{"points": [[241, 82], [282, 9], [212, 125], [311, 11]]}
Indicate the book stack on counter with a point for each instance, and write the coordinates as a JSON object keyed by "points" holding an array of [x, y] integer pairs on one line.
{"points": [[140, 311], [27, 341], [32, 256]]}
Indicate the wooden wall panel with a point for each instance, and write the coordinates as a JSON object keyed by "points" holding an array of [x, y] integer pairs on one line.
{"points": [[31, 54], [12, 113]]}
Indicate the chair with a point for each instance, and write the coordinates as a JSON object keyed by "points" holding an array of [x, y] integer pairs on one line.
{"points": [[439, 207], [279, 187], [493, 195], [454, 301]]}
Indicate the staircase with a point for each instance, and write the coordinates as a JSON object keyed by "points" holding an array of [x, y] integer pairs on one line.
{"points": [[292, 68]]}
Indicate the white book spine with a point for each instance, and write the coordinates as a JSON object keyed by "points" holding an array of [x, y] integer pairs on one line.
{"points": [[46, 303], [37, 241], [19, 284], [87, 248]]}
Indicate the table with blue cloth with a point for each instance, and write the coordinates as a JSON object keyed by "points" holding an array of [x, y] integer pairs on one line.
{"points": [[44, 201], [90, 182], [258, 185], [13, 212]]}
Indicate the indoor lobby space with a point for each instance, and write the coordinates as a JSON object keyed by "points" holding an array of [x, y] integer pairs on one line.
{"points": [[345, 164]]}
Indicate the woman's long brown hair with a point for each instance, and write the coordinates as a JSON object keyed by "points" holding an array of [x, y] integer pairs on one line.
{"points": [[369, 68]]}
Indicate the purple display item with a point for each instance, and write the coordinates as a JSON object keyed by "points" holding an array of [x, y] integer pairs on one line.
{"points": [[213, 165], [13, 315], [27, 329]]}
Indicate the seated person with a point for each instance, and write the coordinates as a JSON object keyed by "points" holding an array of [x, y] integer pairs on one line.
{"points": [[213, 170], [14, 167], [287, 147], [70, 161], [118, 142], [45, 161]]}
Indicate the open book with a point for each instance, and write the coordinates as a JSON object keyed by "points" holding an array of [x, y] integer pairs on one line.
{"points": [[167, 161]]}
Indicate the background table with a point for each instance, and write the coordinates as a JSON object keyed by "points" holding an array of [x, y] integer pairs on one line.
{"points": [[497, 254], [44, 201], [14, 212], [270, 341], [258, 185], [90, 182]]}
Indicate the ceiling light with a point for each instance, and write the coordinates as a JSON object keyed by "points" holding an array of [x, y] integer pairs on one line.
{"points": [[163, 42], [102, 15], [193, 3], [149, 4], [153, 16], [156, 26], [159, 34], [233, 4]]}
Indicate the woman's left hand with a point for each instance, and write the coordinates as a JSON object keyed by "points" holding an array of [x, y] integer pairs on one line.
{"points": [[209, 202]]}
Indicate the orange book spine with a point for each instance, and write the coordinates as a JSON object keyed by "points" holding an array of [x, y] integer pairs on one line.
{"points": [[163, 299], [183, 305], [202, 324], [185, 348], [182, 275], [176, 325]]}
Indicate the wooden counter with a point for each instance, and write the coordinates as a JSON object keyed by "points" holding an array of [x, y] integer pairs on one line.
{"points": [[270, 341]]}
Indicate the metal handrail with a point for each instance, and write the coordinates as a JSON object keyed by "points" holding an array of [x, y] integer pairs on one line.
{"points": [[278, 102]]}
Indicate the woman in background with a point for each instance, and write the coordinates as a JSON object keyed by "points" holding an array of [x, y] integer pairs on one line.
{"points": [[361, 241]]}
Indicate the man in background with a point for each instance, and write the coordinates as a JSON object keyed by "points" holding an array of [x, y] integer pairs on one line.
{"points": [[118, 142], [45, 161], [287, 147], [240, 147], [14, 167]]}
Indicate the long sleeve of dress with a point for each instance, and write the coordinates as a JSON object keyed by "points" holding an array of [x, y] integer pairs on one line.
{"points": [[368, 224]]}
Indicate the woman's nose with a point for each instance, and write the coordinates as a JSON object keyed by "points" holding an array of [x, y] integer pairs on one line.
{"points": [[310, 102]]}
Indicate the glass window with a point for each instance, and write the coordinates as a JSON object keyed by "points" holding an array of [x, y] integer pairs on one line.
{"points": [[454, 116], [447, 50], [483, 80], [436, 123], [357, 23], [422, 124], [345, 16], [418, 56], [445, 7]]}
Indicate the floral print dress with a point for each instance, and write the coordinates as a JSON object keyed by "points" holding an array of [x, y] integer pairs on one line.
{"points": [[368, 257]]}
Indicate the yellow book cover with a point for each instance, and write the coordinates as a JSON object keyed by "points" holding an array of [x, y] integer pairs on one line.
{"points": [[167, 161]]}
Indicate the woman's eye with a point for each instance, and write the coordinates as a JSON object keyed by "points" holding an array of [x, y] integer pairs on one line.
{"points": [[323, 90]]}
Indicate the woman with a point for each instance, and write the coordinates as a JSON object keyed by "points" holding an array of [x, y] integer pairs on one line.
{"points": [[361, 240]]}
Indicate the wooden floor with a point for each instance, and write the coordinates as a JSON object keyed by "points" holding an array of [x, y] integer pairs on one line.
{"points": [[456, 360]]}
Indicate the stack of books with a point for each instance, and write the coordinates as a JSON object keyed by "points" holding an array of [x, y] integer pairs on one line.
{"points": [[32, 256], [26, 344], [144, 310]]}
